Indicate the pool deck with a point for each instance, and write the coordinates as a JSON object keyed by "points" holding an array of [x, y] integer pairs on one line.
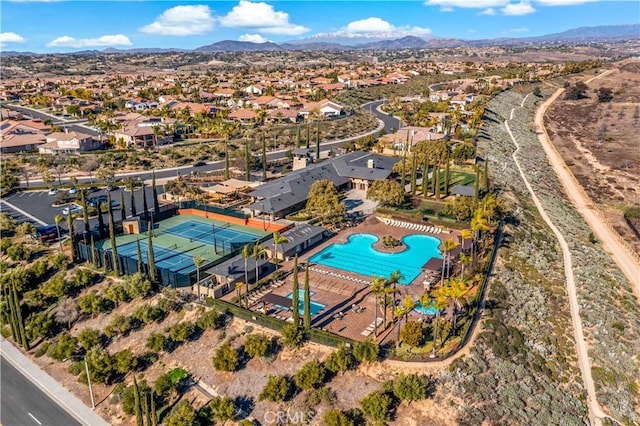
{"points": [[349, 304]]}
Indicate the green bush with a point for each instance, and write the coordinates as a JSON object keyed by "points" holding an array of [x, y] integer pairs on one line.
{"points": [[377, 406], [366, 350], [311, 375], [257, 345], [182, 331], [18, 252], [210, 319], [64, 347], [278, 388], [223, 408], [157, 342], [226, 358], [292, 335], [341, 360], [89, 337], [410, 387]]}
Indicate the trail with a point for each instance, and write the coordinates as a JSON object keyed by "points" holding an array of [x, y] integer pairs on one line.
{"points": [[595, 412]]}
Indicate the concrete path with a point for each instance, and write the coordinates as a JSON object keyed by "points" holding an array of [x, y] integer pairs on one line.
{"points": [[52, 389]]}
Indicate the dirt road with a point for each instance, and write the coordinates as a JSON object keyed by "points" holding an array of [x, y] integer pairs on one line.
{"points": [[608, 238]]}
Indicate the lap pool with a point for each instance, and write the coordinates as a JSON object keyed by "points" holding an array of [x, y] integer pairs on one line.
{"points": [[357, 255]]}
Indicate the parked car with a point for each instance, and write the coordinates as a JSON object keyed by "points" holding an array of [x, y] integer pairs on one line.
{"points": [[53, 191], [93, 189], [73, 191], [112, 188], [71, 209], [199, 164]]}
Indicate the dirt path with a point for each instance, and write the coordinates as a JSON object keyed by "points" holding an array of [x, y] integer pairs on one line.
{"points": [[595, 412]]}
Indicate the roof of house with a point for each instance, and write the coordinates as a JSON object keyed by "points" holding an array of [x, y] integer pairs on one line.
{"points": [[13, 141], [297, 235], [464, 190], [233, 268], [67, 136]]}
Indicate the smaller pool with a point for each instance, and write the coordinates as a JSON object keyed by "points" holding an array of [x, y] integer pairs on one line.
{"points": [[425, 310], [315, 307]]}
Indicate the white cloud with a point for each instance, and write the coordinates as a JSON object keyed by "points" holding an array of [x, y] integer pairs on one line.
{"points": [[6, 38], [181, 21], [253, 38], [374, 27], [103, 41], [517, 9], [471, 4], [519, 30], [563, 2], [262, 17], [488, 11]]}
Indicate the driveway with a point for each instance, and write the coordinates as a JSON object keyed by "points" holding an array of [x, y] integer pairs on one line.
{"points": [[356, 201]]}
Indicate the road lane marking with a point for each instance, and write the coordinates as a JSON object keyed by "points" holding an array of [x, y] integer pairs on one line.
{"points": [[22, 212], [34, 418]]}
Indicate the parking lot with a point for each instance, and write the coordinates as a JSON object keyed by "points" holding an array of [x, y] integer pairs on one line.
{"points": [[37, 206]]}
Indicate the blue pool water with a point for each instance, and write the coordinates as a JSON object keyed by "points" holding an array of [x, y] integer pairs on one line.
{"points": [[425, 310], [314, 307], [358, 255]]}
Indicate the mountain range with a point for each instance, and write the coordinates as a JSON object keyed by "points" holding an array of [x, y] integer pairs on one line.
{"points": [[582, 34]]}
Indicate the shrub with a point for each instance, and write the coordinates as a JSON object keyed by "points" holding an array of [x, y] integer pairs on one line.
{"points": [[278, 388], [119, 324], [340, 360], [257, 345], [377, 406], [147, 314], [128, 397], [210, 319], [336, 418], [92, 303], [157, 342], [182, 331], [412, 333], [164, 387], [311, 375], [125, 361], [65, 347], [292, 335], [182, 414], [137, 286], [18, 252], [367, 350], [223, 408], [410, 387], [226, 358], [101, 365], [84, 278], [89, 337]]}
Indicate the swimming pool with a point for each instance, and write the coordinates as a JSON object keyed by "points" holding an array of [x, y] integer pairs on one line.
{"points": [[358, 255], [425, 310], [314, 307]]}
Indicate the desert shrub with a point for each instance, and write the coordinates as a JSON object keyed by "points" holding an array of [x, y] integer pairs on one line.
{"points": [[210, 319], [336, 418], [64, 347], [147, 314], [292, 335], [341, 360], [119, 324], [89, 337], [125, 361], [257, 345], [182, 331], [157, 342], [18, 252], [182, 414], [410, 387], [377, 406], [223, 408], [278, 388], [311, 375], [226, 358], [367, 350], [92, 303]]}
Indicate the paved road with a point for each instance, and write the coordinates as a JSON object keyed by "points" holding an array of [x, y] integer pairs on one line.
{"points": [[72, 125], [23, 404]]}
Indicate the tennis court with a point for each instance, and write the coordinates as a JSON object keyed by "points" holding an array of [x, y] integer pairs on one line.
{"points": [[164, 258], [223, 236]]}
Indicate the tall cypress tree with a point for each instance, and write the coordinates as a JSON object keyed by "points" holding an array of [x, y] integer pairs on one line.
{"points": [[100, 219], [476, 184], [247, 170], [414, 174], [139, 257], [112, 237], [446, 175], [434, 175], [294, 295], [6, 294], [298, 142], [137, 406], [317, 140], [18, 316], [150, 257], [156, 205], [226, 160], [485, 176], [85, 211], [404, 170], [264, 159], [145, 206], [72, 235], [154, 415], [308, 135], [132, 200], [123, 211], [307, 299], [438, 183], [425, 176], [94, 253]]}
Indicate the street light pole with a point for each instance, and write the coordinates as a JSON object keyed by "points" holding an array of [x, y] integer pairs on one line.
{"points": [[86, 369]]}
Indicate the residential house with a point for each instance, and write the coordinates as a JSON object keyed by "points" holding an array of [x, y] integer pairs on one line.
{"points": [[325, 108], [68, 142], [245, 116]]}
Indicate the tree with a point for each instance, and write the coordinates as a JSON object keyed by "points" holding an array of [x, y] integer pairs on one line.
{"points": [[292, 336], [157, 342], [377, 289], [257, 345], [182, 414], [317, 140], [377, 406], [85, 210], [136, 402], [264, 156], [182, 332], [131, 186], [137, 286], [197, 262], [386, 192], [341, 360], [447, 246], [65, 347], [336, 417], [246, 252], [278, 388], [226, 358], [323, 202], [410, 387], [605, 94], [414, 174], [485, 176], [295, 294], [112, 237], [156, 205], [72, 236], [211, 319], [66, 312], [226, 160], [278, 239], [412, 333], [456, 289], [223, 408], [537, 92], [576, 92], [145, 206], [446, 175], [58, 219], [258, 251], [306, 299], [150, 256], [89, 337], [100, 219], [439, 303], [310, 376], [366, 350], [125, 361]]}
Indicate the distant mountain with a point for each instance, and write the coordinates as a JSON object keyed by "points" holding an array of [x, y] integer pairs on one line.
{"points": [[144, 50], [238, 46], [14, 53], [602, 32], [408, 42], [314, 46]]}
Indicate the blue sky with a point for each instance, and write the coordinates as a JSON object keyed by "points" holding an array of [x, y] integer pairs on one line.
{"points": [[63, 26]]}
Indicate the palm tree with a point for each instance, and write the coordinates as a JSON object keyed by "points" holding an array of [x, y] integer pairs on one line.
{"points": [[464, 260], [403, 311], [392, 283], [447, 246], [479, 223], [377, 289], [455, 290], [197, 262], [246, 253], [278, 239], [239, 286], [258, 250], [439, 303], [57, 220], [425, 301], [295, 294]]}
